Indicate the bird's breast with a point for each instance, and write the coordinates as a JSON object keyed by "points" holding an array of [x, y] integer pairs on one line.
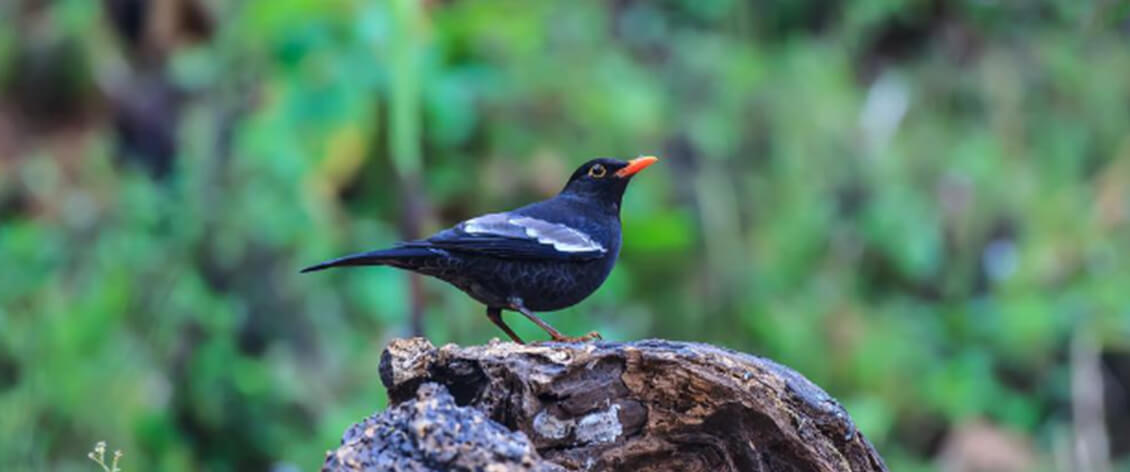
{"points": [[550, 286]]}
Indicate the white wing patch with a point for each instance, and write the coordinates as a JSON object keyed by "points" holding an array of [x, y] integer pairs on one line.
{"points": [[494, 223], [561, 237]]}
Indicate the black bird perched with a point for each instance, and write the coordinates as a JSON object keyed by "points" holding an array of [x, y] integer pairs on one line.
{"points": [[544, 256]]}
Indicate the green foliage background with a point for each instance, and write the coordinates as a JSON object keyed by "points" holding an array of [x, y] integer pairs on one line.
{"points": [[918, 205]]}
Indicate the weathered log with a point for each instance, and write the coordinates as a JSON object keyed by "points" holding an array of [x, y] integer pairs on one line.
{"points": [[642, 406]]}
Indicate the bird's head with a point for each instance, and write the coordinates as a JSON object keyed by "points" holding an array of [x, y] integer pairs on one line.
{"points": [[605, 179]]}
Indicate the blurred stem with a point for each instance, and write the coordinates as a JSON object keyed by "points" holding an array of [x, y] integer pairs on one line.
{"points": [[405, 100], [404, 142], [1092, 451]]}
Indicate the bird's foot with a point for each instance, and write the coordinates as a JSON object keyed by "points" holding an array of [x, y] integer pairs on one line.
{"points": [[592, 336]]}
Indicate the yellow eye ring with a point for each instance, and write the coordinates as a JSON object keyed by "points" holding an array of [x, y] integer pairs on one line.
{"points": [[597, 171]]}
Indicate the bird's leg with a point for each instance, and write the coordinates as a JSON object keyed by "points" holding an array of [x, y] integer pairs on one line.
{"points": [[495, 316], [516, 305]]}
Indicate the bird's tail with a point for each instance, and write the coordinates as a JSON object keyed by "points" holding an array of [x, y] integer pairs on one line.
{"points": [[393, 256]]}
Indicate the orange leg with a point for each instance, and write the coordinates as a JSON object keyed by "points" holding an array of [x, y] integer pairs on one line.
{"points": [[516, 305], [495, 316]]}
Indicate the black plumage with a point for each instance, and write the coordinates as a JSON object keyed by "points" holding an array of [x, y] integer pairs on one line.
{"points": [[544, 256]]}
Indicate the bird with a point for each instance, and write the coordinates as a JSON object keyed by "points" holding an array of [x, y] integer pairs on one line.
{"points": [[542, 257]]}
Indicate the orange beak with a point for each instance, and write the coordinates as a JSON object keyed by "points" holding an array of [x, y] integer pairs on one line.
{"points": [[636, 165]]}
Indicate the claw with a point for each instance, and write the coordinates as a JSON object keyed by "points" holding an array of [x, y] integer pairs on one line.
{"points": [[592, 336]]}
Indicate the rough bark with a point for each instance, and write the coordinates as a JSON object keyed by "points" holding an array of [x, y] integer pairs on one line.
{"points": [[643, 406]]}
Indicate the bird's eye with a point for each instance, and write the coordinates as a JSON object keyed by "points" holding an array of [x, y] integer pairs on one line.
{"points": [[597, 171]]}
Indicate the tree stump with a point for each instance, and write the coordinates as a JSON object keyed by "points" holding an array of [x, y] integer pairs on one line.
{"points": [[642, 406]]}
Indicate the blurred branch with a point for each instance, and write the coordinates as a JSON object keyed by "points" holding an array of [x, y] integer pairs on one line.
{"points": [[404, 142]]}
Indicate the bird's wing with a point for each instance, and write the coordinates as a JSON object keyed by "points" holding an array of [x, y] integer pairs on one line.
{"points": [[520, 237]]}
